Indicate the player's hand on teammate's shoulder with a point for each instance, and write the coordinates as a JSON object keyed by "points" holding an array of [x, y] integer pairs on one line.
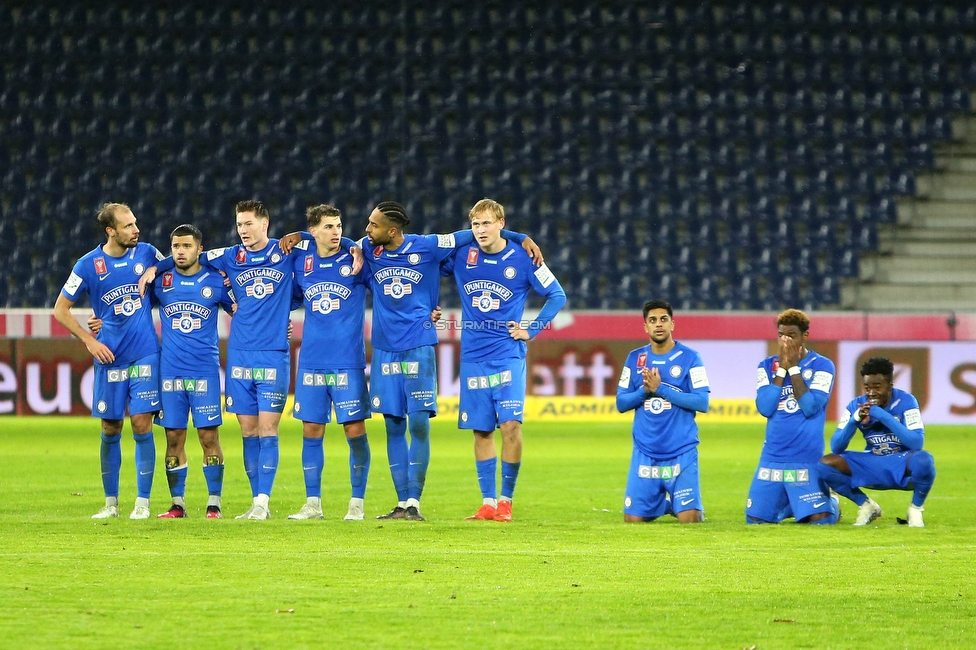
{"points": [[287, 243], [94, 324], [291, 330], [436, 314], [145, 279], [226, 281], [357, 259], [535, 253]]}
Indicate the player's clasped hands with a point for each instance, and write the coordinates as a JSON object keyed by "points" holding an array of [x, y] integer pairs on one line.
{"points": [[652, 379], [789, 352]]}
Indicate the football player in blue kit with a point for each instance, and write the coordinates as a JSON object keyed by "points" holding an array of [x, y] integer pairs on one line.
{"points": [[332, 362], [665, 384], [258, 365], [189, 300], [792, 393], [404, 272], [126, 350], [494, 278], [891, 422]]}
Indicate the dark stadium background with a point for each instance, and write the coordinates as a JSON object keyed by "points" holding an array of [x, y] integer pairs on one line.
{"points": [[722, 155]]}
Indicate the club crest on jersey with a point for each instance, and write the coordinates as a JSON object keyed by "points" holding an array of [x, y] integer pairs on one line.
{"points": [[259, 289], [397, 289], [308, 263], [139, 268], [100, 267], [206, 292], [275, 258], [241, 256], [509, 272], [345, 270], [485, 302], [472, 256], [186, 323], [167, 280], [128, 306], [675, 371], [641, 360], [413, 258], [325, 304]]}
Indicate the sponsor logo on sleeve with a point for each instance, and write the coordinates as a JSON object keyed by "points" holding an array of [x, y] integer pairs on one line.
{"points": [[761, 377], [446, 241], [544, 276], [698, 377], [74, 281], [913, 419], [845, 417], [624, 377], [822, 380]]}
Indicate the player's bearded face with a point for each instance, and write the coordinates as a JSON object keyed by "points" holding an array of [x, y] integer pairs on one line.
{"points": [[378, 229], [125, 233], [186, 251]]}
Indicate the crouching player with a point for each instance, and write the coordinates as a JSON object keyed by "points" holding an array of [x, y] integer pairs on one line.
{"points": [[786, 483], [332, 363], [891, 423], [665, 384]]}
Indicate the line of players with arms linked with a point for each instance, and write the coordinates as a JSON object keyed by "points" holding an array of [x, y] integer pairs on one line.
{"points": [[664, 382], [329, 275]]}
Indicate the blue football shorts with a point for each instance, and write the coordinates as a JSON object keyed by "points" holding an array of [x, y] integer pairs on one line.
{"points": [[257, 381], [783, 490], [403, 382], [491, 392], [878, 472], [662, 486], [198, 394], [317, 390], [134, 385]]}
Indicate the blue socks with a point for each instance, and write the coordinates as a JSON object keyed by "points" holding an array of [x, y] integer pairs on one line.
{"points": [[922, 467], [841, 483], [145, 464], [313, 460], [215, 478], [396, 450], [486, 477], [176, 478], [267, 464], [252, 451], [510, 472], [419, 456], [358, 465], [110, 454]]}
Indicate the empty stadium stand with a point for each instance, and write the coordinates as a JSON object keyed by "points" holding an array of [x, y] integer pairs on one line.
{"points": [[723, 155]]}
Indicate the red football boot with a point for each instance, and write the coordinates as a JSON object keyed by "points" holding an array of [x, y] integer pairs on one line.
{"points": [[485, 513], [504, 511], [174, 512]]}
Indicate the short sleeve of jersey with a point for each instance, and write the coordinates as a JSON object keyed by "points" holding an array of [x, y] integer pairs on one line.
{"points": [[76, 284]]}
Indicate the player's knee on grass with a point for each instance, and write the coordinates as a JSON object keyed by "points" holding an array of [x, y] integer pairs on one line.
{"points": [[689, 517], [634, 519]]}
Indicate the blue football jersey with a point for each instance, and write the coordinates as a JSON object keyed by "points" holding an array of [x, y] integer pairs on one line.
{"points": [[112, 285], [493, 289], [878, 437], [188, 312], [662, 429], [790, 435], [406, 285], [335, 308], [262, 286]]}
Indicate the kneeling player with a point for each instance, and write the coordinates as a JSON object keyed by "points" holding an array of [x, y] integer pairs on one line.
{"points": [[786, 483], [891, 423], [665, 384]]}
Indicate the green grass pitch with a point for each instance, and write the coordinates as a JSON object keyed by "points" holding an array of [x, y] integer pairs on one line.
{"points": [[566, 573]]}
